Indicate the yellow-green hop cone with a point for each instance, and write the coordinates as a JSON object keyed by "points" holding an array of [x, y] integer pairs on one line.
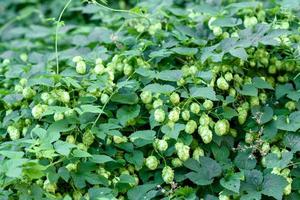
{"points": [[197, 153], [58, 116], [222, 84], [104, 98], [88, 138], [249, 138], [159, 115], [176, 162], [174, 115], [168, 174], [222, 127], [151, 162], [38, 110], [157, 103], [161, 145], [205, 133], [81, 67], [185, 115], [13, 132], [204, 119], [183, 153], [242, 116], [208, 104], [195, 108], [146, 97], [175, 98], [49, 187], [190, 127], [28, 92]]}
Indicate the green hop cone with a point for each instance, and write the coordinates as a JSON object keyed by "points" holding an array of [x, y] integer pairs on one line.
{"points": [[197, 153], [195, 108], [104, 98], [119, 139], [23, 82], [70, 139], [242, 116], [49, 187], [190, 127], [176, 162], [151, 162], [45, 96], [208, 104], [228, 76], [223, 197], [290, 105], [174, 115], [157, 103], [38, 110], [128, 69], [250, 21], [159, 115], [28, 93], [205, 133], [249, 138], [88, 138], [285, 172], [217, 31], [185, 115], [161, 145], [77, 59], [168, 174], [222, 84], [265, 148], [222, 127], [18, 88], [204, 119], [63, 96], [71, 167], [13, 132], [99, 69], [175, 98], [81, 67], [146, 97], [184, 153], [58, 116]]}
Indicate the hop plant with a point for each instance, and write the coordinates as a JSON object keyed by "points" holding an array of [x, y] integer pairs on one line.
{"points": [[146, 97], [190, 127], [168, 174], [159, 115], [151, 162], [88, 138], [195, 108], [161, 145], [13, 132], [222, 127]]}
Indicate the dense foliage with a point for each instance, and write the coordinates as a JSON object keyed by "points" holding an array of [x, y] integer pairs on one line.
{"points": [[154, 99]]}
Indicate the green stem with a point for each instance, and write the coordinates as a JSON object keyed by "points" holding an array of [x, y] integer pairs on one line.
{"points": [[56, 34]]}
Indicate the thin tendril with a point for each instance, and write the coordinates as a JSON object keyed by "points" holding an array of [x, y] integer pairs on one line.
{"points": [[56, 34]]}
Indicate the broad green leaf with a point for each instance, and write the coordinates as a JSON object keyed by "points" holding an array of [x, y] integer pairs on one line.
{"points": [[274, 185], [170, 75], [136, 158], [140, 191], [292, 141], [261, 84], [249, 90], [204, 171], [126, 113], [81, 154], [186, 51], [128, 98], [203, 92], [272, 160], [289, 123], [141, 138], [101, 159], [158, 88], [172, 132], [232, 183]]}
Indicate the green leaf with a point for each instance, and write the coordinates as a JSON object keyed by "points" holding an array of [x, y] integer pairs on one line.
{"points": [[140, 192], [232, 183], [290, 123], [239, 53], [221, 153], [204, 171], [81, 154], [128, 98], [141, 138], [90, 109], [126, 113], [261, 84], [272, 160], [226, 22], [12, 154], [273, 186], [249, 90], [170, 75], [174, 131], [136, 158], [292, 141], [158, 88], [262, 114], [203, 92], [186, 51], [101, 159], [244, 160], [63, 148]]}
